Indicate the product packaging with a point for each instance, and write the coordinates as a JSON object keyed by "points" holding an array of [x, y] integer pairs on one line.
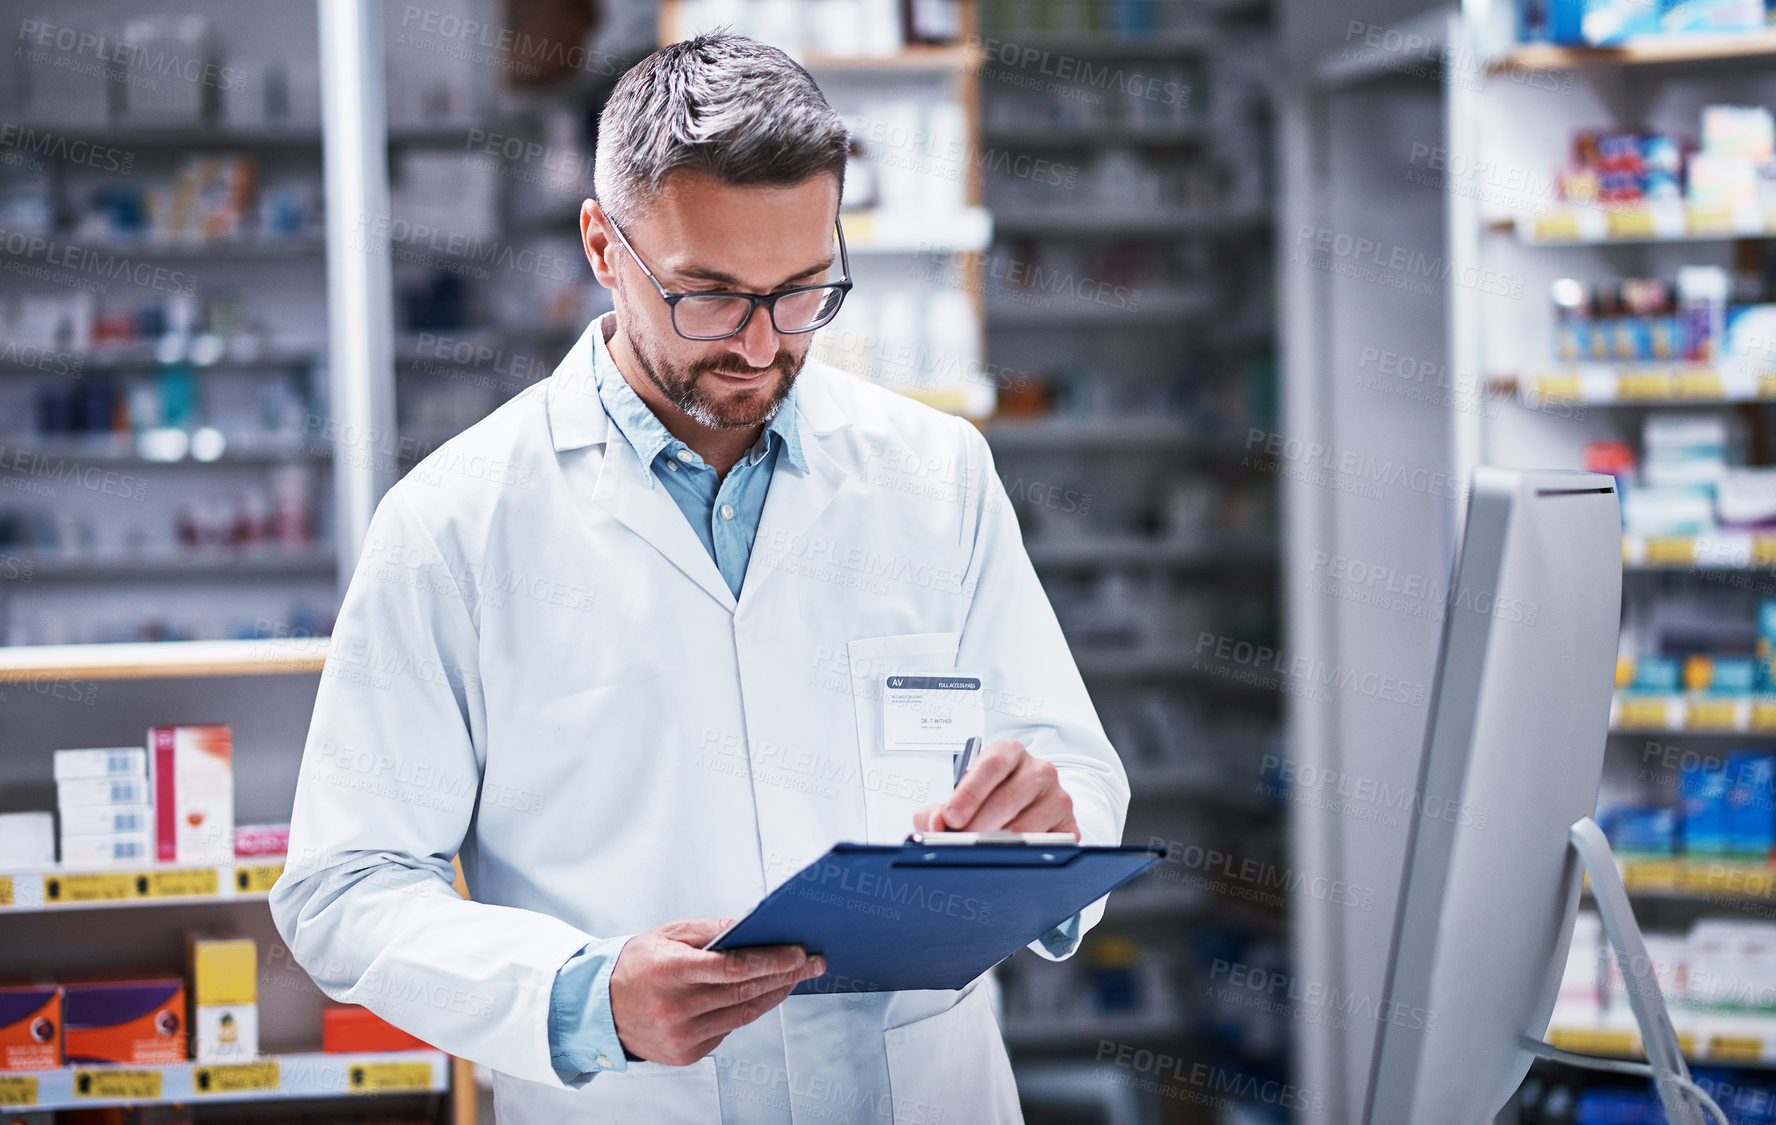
{"points": [[138, 1020], [1706, 828], [27, 839], [193, 775], [106, 849], [346, 1028], [30, 1025], [90, 820], [122, 761], [224, 975], [102, 791], [1751, 817]]}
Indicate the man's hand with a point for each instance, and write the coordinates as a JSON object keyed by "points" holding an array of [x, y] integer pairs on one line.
{"points": [[673, 1002], [1005, 787]]}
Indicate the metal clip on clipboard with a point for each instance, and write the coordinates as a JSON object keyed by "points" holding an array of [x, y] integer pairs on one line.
{"points": [[998, 849]]}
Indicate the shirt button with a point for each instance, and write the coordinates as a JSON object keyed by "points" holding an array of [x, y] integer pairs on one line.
{"points": [[727, 511], [604, 1062], [673, 466], [685, 455]]}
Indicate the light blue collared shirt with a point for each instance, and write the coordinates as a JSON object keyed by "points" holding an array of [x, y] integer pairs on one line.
{"points": [[725, 514]]}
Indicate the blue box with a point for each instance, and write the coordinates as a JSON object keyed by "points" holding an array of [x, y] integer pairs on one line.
{"points": [[1706, 830], [1657, 675], [1642, 829], [1751, 816]]}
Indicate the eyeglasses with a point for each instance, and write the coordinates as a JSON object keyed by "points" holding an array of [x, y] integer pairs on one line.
{"points": [[716, 316]]}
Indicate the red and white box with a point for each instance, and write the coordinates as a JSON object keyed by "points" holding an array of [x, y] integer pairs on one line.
{"points": [[192, 772]]}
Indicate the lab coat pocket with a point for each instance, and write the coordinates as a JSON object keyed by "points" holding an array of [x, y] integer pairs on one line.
{"points": [[951, 1067], [895, 785]]}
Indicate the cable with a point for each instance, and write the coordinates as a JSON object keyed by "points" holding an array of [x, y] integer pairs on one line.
{"points": [[1624, 1066]]}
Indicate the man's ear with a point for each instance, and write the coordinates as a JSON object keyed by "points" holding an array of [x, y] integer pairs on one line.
{"points": [[599, 246]]}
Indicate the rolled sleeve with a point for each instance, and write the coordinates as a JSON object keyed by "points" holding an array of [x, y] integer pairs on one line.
{"points": [[583, 1040]]}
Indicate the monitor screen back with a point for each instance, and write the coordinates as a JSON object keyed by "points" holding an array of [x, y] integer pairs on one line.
{"points": [[1513, 754]]}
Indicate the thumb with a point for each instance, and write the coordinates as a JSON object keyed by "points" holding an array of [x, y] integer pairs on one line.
{"points": [[695, 931]]}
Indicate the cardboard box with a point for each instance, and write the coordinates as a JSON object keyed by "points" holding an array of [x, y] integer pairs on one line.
{"points": [[347, 1027], [27, 839], [85, 792], [224, 976], [192, 769], [106, 849], [30, 1025], [89, 820], [138, 1020], [261, 839], [118, 761]]}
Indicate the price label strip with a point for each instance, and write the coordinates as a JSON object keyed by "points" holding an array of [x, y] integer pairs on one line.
{"points": [[17, 1090], [235, 1078], [383, 1077], [6, 894], [120, 886], [117, 1085], [257, 877]]}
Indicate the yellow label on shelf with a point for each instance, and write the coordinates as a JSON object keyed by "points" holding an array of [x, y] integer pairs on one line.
{"points": [[1686, 1044], [861, 225], [5, 890], [1556, 228], [94, 887], [258, 877], [368, 1078], [1595, 1041], [1558, 388], [18, 1089], [1735, 1048], [1763, 714], [1671, 550], [1698, 384], [1639, 714], [1631, 224], [1711, 221], [117, 1085], [1644, 386], [1729, 880], [179, 884], [1650, 875], [1763, 550], [233, 1078], [1766, 386], [1712, 714]]}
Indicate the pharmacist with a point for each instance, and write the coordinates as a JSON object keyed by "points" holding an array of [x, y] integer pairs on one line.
{"points": [[618, 646]]}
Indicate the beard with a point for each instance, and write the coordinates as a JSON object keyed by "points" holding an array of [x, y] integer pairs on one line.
{"points": [[694, 387]]}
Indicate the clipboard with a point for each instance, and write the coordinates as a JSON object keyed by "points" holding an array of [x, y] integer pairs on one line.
{"points": [[934, 912]]}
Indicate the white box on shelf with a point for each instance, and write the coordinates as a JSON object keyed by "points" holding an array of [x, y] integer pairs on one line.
{"points": [[88, 820], [104, 849], [86, 791], [224, 1032], [193, 775], [113, 761], [27, 839]]}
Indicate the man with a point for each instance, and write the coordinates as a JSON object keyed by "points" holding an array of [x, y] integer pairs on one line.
{"points": [[620, 645]]}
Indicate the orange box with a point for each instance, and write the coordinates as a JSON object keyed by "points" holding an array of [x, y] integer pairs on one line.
{"points": [[30, 1025], [131, 1020], [347, 1027]]}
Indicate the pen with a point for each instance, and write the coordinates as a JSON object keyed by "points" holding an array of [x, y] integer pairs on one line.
{"points": [[968, 749]]}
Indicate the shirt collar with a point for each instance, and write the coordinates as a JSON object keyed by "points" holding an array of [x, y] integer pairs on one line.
{"points": [[651, 439]]}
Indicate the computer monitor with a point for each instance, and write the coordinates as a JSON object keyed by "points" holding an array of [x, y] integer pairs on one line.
{"points": [[1512, 757]]}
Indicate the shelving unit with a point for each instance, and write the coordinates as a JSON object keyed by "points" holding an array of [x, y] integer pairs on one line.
{"points": [[1543, 417]]}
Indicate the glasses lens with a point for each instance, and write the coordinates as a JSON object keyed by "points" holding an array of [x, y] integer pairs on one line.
{"points": [[804, 312], [709, 317]]}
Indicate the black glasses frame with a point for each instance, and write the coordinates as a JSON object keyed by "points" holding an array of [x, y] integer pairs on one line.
{"points": [[769, 300]]}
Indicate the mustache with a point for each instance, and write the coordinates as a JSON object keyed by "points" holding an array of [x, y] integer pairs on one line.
{"points": [[780, 362]]}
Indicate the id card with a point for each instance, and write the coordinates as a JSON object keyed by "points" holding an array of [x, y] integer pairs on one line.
{"points": [[934, 712]]}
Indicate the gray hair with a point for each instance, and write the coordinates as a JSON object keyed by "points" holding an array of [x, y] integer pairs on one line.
{"points": [[729, 107]]}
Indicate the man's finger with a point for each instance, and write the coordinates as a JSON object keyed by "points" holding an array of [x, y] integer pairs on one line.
{"points": [[1016, 793], [694, 931], [728, 995], [1046, 815], [732, 966], [992, 766], [725, 1020]]}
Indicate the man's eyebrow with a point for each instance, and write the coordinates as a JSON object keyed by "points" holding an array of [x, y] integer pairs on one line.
{"points": [[700, 273]]}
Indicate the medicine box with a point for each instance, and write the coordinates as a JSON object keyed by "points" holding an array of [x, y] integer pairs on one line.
{"points": [[135, 1021], [346, 1028], [193, 775], [224, 976], [1751, 815], [87, 791], [1704, 789], [105, 849], [120, 761], [30, 1026], [89, 820], [27, 839]]}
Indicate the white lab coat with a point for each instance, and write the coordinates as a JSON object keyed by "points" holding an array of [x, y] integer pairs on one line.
{"points": [[538, 665]]}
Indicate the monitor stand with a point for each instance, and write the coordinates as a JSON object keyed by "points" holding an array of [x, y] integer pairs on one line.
{"points": [[1671, 1076]]}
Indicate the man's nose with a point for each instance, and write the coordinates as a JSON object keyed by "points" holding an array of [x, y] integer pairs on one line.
{"points": [[758, 342]]}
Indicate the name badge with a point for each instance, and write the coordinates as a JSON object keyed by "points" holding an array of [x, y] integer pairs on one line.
{"points": [[931, 712]]}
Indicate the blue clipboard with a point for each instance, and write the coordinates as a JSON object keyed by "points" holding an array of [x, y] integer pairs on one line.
{"points": [[929, 915]]}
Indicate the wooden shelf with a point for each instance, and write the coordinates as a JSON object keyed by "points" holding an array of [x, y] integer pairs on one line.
{"points": [[168, 660], [1645, 52]]}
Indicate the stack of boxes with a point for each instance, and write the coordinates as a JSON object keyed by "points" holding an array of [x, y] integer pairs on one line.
{"points": [[104, 798]]}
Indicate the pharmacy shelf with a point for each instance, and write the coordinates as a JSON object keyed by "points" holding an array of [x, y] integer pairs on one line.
{"points": [[1717, 1040], [1696, 713], [1721, 550], [1073, 222], [267, 1078], [1058, 51], [248, 249], [41, 664], [1673, 222], [936, 59], [101, 888], [1056, 433], [1712, 880], [1047, 311], [1641, 384], [318, 561], [1092, 136], [1027, 1034], [122, 360], [1650, 51], [885, 232], [122, 449], [182, 139], [1133, 551]]}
